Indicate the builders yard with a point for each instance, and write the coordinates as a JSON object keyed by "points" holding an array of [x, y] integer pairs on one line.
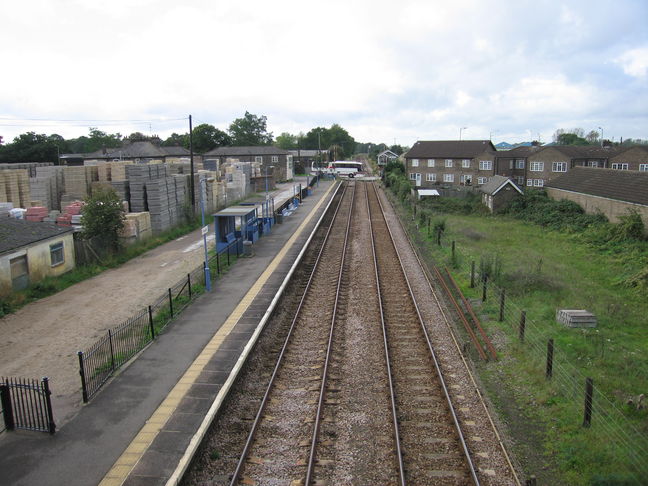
{"points": [[42, 339]]}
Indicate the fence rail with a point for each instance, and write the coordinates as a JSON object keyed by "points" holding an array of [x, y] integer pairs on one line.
{"points": [[26, 405], [120, 344]]}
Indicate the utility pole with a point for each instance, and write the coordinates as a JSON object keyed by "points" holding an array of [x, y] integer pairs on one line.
{"points": [[192, 188]]}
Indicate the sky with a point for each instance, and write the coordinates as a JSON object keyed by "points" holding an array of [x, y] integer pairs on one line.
{"points": [[387, 71]]}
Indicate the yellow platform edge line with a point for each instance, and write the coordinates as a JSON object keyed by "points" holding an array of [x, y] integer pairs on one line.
{"points": [[127, 461]]}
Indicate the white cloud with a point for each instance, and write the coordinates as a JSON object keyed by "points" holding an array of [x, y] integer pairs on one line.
{"points": [[635, 62]]}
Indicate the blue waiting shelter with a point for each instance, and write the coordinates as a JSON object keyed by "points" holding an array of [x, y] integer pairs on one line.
{"points": [[236, 223]]}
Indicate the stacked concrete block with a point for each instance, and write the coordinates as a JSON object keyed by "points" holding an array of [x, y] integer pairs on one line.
{"points": [[77, 182], [5, 207], [118, 170], [48, 186], [122, 189], [15, 183], [30, 167]]}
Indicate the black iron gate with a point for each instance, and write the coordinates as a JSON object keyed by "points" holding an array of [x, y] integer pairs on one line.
{"points": [[26, 404]]}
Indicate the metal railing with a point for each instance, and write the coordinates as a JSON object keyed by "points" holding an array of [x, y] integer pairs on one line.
{"points": [[26, 404], [120, 344]]}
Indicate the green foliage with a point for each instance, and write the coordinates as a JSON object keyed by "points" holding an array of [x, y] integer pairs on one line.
{"points": [[335, 137], [287, 141], [103, 217], [32, 147], [178, 140], [96, 140], [250, 130], [207, 137], [537, 207], [630, 227]]}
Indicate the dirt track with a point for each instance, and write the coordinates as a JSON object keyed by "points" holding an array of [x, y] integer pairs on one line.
{"points": [[42, 338]]}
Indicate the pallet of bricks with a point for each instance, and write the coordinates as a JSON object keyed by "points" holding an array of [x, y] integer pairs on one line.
{"points": [[71, 214]]}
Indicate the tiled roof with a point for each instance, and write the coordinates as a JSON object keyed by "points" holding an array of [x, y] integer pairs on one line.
{"points": [[16, 233], [518, 152], [441, 149], [622, 185], [175, 150], [495, 183], [131, 150], [249, 151]]}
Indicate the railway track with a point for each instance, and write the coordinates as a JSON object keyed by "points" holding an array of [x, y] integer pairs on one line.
{"points": [[355, 393]]}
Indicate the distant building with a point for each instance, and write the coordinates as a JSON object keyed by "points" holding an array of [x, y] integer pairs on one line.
{"points": [[450, 163], [276, 161], [385, 157]]}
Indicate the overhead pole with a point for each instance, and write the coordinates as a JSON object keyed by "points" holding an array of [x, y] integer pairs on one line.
{"points": [[192, 188]]}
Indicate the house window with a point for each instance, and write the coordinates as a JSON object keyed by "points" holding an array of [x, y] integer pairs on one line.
{"points": [[620, 166], [538, 182], [465, 163], [258, 158], [448, 162], [430, 177], [559, 167], [485, 165], [537, 166], [482, 180], [57, 256], [275, 159], [529, 182], [430, 162], [592, 163], [520, 180], [414, 176], [643, 167], [519, 163], [415, 162], [448, 177]]}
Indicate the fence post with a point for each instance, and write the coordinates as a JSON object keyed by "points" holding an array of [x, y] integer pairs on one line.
{"points": [[150, 312], [229, 247], [112, 352], [550, 347], [472, 274], [502, 302], [7, 409], [189, 284], [439, 236], [453, 250], [428, 224], [51, 426], [84, 389], [589, 391], [170, 303], [522, 325], [484, 288], [217, 263]]}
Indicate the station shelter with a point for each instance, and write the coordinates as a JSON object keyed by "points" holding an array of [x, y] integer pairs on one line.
{"points": [[243, 222]]}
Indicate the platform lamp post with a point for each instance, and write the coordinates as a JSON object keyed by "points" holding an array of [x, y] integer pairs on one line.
{"points": [[205, 228], [461, 130]]}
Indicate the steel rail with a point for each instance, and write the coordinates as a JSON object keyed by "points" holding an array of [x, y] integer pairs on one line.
{"points": [[392, 393], [316, 426], [264, 400], [482, 333], [428, 278], [446, 393]]}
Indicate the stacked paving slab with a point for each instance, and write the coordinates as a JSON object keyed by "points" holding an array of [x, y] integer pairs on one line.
{"points": [[14, 187], [48, 186]]}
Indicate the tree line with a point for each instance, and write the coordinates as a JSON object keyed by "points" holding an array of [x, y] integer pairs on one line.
{"points": [[577, 136], [248, 130]]}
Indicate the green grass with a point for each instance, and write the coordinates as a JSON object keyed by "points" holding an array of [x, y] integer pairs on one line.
{"points": [[544, 270]]}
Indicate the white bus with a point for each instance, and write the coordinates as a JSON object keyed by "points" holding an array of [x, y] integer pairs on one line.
{"points": [[347, 168]]}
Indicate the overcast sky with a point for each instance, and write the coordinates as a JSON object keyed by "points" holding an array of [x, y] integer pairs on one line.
{"points": [[387, 71]]}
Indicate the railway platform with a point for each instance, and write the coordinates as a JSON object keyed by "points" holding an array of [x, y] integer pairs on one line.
{"points": [[141, 428]]}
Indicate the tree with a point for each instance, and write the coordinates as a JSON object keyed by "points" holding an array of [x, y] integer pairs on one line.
{"points": [[251, 130], [177, 140], [96, 140], [33, 147], [592, 137], [103, 217], [207, 137], [287, 141]]}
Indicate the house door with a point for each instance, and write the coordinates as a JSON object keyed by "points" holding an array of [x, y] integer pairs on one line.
{"points": [[19, 272], [289, 169]]}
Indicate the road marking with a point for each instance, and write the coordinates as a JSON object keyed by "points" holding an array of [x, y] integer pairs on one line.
{"points": [[119, 472]]}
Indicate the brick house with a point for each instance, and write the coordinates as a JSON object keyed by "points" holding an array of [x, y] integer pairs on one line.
{"points": [[630, 158], [268, 156], [450, 163], [610, 191]]}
